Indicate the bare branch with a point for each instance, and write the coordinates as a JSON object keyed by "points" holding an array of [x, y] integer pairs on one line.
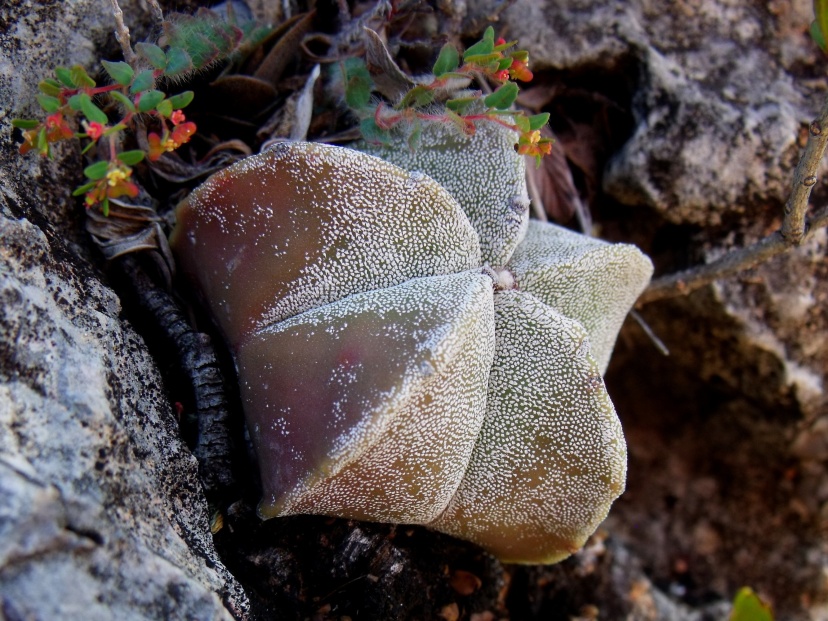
{"points": [[793, 228], [122, 34], [156, 10], [683, 283], [793, 232]]}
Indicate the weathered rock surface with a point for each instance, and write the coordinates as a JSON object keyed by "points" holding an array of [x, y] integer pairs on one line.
{"points": [[102, 514]]}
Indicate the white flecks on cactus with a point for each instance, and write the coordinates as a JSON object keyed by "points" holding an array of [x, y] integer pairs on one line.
{"points": [[583, 278], [394, 367], [550, 457], [303, 225], [381, 397], [483, 172]]}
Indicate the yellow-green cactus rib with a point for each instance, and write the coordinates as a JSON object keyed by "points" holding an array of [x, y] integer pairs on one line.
{"points": [[303, 225], [583, 278], [369, 407], [483, 172], [551, 457]]}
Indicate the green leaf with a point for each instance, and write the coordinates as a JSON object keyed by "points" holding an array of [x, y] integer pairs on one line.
{"points": [[371, 131], [484, 46], [747, 606], [154, 54], [65, 76], [178, 61], [143, 81], [817, 36], [42, 143], [80, 77], [503, 97], [122, 99], [121, 72], [114, 129], [25, 123], [75, 102], [484, 59], [504, 63], [182, 100], [448, 60], [358, 84], [821, 14], [83, 189], [415, 136], [97, 170], [48, 103], [523, 124], [536, 121], [149, 100], [91, 111], [49, 87], [481, 47], [165, 108], [105, 206], [461, 104], [130, 158], [417, 97]]}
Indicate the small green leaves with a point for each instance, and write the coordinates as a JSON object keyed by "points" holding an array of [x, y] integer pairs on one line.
{"points": [[447, 61], [484, 46], [91, 111], [65, 76], [819, 27], [24, 123], [80, 77], [152, 53], [120, 72], [49, 87], [182, 100], [747, 606], [164, 108], [97, 170], [537, 121], [150, 100], [420, 95], [178, 61], [358, 83], [122, 99], [503, 97], [143, 81], [48, 103], [130, 158]]}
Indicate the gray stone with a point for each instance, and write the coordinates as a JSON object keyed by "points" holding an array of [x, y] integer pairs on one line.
{"points": [[102, 514]]}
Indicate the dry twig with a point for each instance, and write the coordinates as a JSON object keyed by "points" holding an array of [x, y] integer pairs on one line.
{"points": [[122, 34], [795, 230]]}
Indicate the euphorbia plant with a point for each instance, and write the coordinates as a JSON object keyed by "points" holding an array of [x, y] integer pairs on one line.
{"points": [[489, 59], [72, 97]]}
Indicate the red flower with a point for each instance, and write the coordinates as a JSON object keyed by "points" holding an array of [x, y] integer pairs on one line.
{"points": [[158, 145], [182, 133], [177, 117], [502, 76], [94, 129], [115, 184], [519, 70], [56, 128]]}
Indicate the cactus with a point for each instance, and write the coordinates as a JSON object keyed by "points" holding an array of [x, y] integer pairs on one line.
{"points": [[398, 363]]}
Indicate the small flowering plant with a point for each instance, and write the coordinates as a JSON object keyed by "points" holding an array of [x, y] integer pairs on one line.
{"points": [[490, 59], [77, 107]]}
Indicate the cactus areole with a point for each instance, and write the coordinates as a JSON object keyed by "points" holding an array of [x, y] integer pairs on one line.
{"points": [[389, 370]]}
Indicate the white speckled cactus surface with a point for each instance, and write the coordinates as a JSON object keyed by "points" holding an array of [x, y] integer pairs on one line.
{"points": [[410, 347]]}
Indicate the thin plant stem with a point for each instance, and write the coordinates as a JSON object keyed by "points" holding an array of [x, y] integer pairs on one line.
{"points": [[795, 230], [122, 34]]}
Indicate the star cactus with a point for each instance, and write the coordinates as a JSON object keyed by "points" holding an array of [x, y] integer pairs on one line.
{"points": [[411, 349]]}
